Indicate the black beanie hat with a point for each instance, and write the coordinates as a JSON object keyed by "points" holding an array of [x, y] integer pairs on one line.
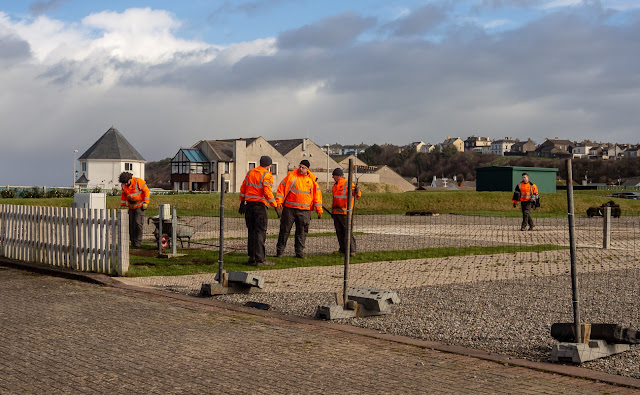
{"points": [[265, 161], [337, 172], [306, 163]]}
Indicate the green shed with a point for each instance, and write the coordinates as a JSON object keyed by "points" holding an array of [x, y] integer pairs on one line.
{"points": [[505, 178]]}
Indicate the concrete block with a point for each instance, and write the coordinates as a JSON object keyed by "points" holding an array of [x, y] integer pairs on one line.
{"points": [[374, 300], [583, 352], [244, 279], [334, 312]]}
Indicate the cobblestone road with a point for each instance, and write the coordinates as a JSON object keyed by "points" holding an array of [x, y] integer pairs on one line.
{"points": [[61, 336]]}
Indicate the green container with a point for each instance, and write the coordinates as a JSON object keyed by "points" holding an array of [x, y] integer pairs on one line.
{"points": [[505, 178]]}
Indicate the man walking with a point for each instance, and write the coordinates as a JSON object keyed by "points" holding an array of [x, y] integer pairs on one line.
{"points": [[255, 197], [527, 193], [136, 194], [299, 194], [339, 209]]}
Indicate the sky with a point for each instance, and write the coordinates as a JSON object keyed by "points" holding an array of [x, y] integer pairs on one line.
{"points": [[167, 74]]}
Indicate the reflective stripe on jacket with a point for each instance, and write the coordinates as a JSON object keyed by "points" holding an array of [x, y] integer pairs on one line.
{"points": [[528, 191], [257, 187], [136, 194], [339, 205], [300, 191]]}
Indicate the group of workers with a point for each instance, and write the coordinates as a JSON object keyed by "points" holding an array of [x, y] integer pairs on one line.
{"points": [[296, 196]]}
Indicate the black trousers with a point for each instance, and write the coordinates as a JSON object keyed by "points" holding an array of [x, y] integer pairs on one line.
{"points": [[301, 218], [136, 225], [255, 217], [340, 223], [526, 214]]}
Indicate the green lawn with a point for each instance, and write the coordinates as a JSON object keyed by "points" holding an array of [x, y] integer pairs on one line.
{"points": [[144, 262], [455, 202]]}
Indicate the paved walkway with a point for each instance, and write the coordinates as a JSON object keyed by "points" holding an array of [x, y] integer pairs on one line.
{"points": [[62, 336]]}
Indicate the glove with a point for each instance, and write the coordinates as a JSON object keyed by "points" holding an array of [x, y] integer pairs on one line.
{"points": [[144, 206], [514, 205], [279, 212], [356, 191], [241, 209], [319, 215]]}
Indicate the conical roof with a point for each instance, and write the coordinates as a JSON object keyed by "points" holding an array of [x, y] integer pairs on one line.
{"points": [[112, 145]]}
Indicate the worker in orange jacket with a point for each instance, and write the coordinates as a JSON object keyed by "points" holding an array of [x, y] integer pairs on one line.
{"points": [[255, 197], [297, 195], [136, 195], [526, 193], [339, 209]]}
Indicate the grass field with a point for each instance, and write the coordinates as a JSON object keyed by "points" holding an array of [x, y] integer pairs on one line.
{"points": [[144, 261], [456, 202]]}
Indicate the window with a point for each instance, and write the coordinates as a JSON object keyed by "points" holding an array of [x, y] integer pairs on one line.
{"points": [[84, 166], [128, 166], [252, 165], [227, 184], [274, 168], [226, 167]]}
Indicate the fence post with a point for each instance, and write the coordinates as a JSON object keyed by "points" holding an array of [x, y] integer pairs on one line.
{"points": [[174, 233], [606, 229], [347, 251], [3, 230], [123, 242], [572, 250], [160, 227], [221, 239]]}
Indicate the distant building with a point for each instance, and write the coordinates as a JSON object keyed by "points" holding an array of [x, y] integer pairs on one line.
{"points": [[499, 147], [522, 147], [101, 165], [477, 143], [555, 148], [581, 150], [295, 150], [417, 145], [455, 142]]}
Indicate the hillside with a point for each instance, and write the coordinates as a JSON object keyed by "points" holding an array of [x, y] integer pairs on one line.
{"points": [[158, 174]]}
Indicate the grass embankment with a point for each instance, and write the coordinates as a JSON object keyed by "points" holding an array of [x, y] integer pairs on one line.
{"points": [[455, 202], [144, 262]]}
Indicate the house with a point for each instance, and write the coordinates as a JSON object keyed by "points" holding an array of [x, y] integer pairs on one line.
{"points": [[555, 148], [455, 142], [477, 143], [633, 151], [344, 162], [523, 147], [614, 151], [499, 147], [203, 166], [101, 165], [417, 145], [347, 149], [427, 148], [581, 150], [295, 150]]}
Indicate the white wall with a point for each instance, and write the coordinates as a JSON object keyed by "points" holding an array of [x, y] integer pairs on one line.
{"points": [[104, 173]]}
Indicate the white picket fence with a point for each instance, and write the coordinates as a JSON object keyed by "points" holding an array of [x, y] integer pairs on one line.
{"points": [[89, 240]]}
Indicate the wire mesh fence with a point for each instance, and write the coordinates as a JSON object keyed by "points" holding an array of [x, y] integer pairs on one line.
{"points": [[477, 281]]}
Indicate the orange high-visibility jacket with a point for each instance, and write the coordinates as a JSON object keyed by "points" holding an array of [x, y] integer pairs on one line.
{"points": [[257, 187], [528, 191], [340, 192], [300, 192], [136, 194]]}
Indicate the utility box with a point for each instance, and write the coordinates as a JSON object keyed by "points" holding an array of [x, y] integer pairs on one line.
{"points": [[505, 178], [90, 200]]}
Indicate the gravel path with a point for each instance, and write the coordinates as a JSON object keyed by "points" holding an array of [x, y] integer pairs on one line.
{"points": [[509, 317]]}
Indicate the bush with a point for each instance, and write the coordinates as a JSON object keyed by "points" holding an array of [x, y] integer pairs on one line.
{"points": [[33, 193], [9, 193]]}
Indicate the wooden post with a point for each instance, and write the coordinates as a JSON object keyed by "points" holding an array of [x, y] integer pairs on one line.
{"points": [[123, 242], [606, 229]]}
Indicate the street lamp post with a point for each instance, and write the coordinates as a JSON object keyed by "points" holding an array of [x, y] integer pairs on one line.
{"points": [[75, 152]]}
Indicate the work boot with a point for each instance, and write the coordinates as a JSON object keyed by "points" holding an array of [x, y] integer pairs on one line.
{"points": [[523, 229], [531, 228], [265, 263], [301, 256]]}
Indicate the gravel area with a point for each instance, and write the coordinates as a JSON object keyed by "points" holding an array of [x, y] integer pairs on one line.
{"points": [[508, 317]]}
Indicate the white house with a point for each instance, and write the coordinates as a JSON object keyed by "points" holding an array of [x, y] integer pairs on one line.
{"points": [[499, 147], [103, 162]]}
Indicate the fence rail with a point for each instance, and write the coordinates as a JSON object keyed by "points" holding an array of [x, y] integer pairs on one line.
{"points": [[81, 239]]}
